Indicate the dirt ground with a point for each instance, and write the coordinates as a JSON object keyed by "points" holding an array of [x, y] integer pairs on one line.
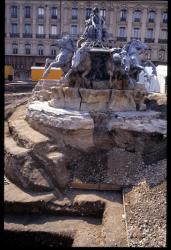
{"points": [[146, 208], [145, 203]]}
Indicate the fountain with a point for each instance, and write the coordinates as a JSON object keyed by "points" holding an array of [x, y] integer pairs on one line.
{"points": [[91, 126]]}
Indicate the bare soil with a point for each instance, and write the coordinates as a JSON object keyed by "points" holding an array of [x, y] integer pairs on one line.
{"points": [[146, 208]]}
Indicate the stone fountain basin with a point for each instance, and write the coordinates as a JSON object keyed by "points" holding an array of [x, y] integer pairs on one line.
{"points": [[85, 130]]}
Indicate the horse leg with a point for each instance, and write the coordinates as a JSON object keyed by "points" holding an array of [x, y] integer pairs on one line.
{"points": [[48, 60], [53, 64], [85, 79], [110, 85]]}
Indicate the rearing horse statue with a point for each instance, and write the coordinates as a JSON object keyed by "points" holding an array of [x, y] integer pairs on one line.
{"points": [[81, 64], [134, 49], [64, 58]]}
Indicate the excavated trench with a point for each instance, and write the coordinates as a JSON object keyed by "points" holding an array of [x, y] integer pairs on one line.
{"points": [[36, 239], [96, 214]]}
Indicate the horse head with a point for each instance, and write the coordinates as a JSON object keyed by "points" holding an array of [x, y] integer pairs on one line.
{"points": [[137, 46], [65, 43]]}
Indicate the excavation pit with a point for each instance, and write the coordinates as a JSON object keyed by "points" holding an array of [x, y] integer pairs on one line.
{"points": [[36, 239]]}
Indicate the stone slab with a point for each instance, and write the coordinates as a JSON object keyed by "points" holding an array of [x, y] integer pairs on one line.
{"points": [[122, 100], [72, 98], [59, 118]]}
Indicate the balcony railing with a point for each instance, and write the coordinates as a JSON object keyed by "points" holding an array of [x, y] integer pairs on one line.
{"points": [[149, 40], [123, 19], [13, 16], [27, 35], [164, 20], [40, 35], [121, 39], [137, 38], [14, 35], [74, 17], [27, 16], [137, 20], [40, 16], [162, 41], [54, 17], [51, 36], [151, 20]]}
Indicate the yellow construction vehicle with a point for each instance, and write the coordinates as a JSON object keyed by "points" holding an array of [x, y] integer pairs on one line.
{"points": [[37, 73], [9, 72]]}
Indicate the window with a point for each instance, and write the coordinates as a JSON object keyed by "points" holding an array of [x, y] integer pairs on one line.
{"points": [[151, 16], [74, 29], [123, 15], [27, 28], [74, 13], [53, 50], [13, 28], [54, 30], [103, 13], [27, 49], [40, 29], [163, 34], [161, 54], [164, 17], [40, 12], [40, 50], [148, 53], [27, 12], [122, 32], [136, 33], [14, 48], [14, 11], [54, 13], [88, 12], [150, 33], [136, 15]]}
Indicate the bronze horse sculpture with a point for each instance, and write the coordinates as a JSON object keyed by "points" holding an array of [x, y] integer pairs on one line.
{"points": [[64, 58], [80, 67]]}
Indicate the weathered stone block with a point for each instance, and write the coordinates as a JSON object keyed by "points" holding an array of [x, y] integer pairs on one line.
{"points": [[57, 97], [72, 98], [94, 100], [122, 100], [139, 96]]}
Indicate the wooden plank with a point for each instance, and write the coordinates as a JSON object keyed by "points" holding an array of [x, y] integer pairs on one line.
{"points": [[95, 186]]}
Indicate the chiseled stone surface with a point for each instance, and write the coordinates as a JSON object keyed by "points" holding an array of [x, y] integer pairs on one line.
{"points": [[57, 97], [59, 118], [94, 100], [122, 100], [72, 98], [144, 124], [70, 127]]}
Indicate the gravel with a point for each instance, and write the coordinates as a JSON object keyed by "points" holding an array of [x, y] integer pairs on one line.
{"points": [[146, 208]]}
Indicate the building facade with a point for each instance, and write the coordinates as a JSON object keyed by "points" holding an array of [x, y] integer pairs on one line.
{"points": [[31, 27]]}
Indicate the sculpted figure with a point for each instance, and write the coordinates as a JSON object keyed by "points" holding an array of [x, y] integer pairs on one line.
{"points": [[118, 65], [81, 63], [64, 58], [94, 26]]}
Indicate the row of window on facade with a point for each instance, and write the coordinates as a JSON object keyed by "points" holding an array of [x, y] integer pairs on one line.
{"points": [[28, 29], [54, 12], [136, 33], [137, 14], [40, 12], [74, 31], [74, 13], [40, 49]]}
